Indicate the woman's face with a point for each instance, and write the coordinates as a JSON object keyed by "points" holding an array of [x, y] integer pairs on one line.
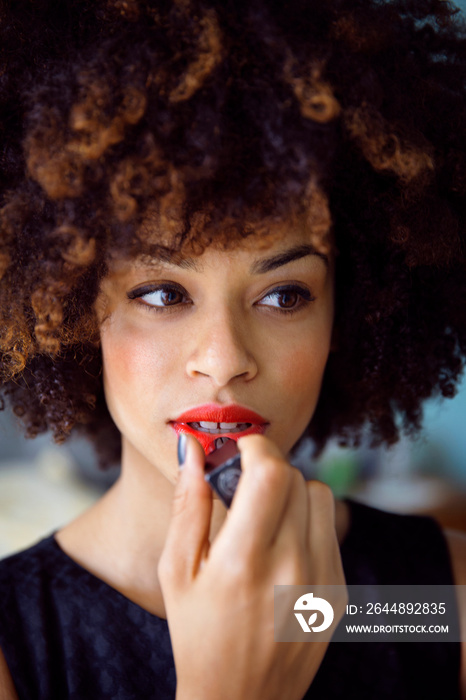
{"points": [[249, 327]]}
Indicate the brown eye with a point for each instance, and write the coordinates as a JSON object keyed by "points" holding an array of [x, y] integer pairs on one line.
{"points": [[287, 299], [161, 297], [169, 296]]}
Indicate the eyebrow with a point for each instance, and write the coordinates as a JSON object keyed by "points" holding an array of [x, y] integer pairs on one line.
{"points": [[259, 267]]}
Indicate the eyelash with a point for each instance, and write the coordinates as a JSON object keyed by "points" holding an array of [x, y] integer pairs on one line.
{"points": [[304, 297], [303, 293]]}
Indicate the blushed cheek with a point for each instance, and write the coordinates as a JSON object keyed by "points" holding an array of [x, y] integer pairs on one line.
{"points": [[303, 376], [302, 371], [134, 366]]}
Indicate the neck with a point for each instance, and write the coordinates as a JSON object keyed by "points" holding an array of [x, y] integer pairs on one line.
{"points": [[121, 538]]}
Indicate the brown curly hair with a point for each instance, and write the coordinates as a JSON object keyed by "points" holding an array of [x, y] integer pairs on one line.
{"points": [[163, 126]]}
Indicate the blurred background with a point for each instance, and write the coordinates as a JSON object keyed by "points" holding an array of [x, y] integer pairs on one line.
{"points": [[43, 486]]}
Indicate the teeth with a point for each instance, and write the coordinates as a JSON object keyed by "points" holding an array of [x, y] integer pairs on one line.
{"points": [[219, 428], [219, 442]]}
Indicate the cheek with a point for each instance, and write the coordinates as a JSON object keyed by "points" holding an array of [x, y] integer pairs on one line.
{"points": [[297, 389], [303, 354], [135, 364], [302, 370], [300, 361]]}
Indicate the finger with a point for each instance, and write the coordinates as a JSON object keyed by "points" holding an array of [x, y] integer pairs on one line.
{"points": [[262, 493], [322, 529], [294, 530], [321, 511], [188, 532]]}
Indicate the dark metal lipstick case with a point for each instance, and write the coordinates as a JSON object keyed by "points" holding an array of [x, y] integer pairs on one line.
{"points": [[223, 470]]}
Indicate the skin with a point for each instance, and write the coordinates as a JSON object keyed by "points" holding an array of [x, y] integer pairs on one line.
{"points": [[228, 345], [158, 535], [164, 541], [226, 341]]}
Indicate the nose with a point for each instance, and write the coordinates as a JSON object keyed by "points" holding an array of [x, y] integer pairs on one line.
{"points": [[221, 349]]}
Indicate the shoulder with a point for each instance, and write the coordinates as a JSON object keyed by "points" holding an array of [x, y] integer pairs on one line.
{"points": [[31, 583], [15, 569], [394, 549], [457, 547], [24, 576], [22, 567], [7, 688]]}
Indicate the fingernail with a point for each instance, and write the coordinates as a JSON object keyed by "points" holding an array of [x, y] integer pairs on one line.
{"points": [[181, 449]]}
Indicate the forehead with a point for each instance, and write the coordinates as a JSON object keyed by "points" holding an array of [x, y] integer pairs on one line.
{"points": [[276, 244]]}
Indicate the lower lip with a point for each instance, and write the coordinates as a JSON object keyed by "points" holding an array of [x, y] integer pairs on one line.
{"points": [[208, 440]]}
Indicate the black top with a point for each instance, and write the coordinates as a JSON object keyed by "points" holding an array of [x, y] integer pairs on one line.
{"points": [[67, 634]]}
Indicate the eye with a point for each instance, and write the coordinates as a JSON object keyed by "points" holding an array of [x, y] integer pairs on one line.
{"points": [[163, 297], [159, 298], [287, 299]]}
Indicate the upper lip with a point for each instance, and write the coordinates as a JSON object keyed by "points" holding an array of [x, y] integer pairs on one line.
{"points": [[220, 414]]}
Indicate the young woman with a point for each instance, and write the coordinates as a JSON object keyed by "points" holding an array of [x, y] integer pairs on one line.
{"points": [[241, 220]]}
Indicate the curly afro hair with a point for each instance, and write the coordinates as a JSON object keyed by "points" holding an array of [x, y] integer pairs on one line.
{"points": [[163, 126]]}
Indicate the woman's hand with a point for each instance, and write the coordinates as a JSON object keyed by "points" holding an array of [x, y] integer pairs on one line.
{"points": [[219, 598]]}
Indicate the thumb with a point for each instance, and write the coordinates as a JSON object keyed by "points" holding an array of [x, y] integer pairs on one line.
{"points": [[188, 532]]}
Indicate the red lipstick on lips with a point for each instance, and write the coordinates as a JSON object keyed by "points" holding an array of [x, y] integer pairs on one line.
{"points": [[188, 422]]}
